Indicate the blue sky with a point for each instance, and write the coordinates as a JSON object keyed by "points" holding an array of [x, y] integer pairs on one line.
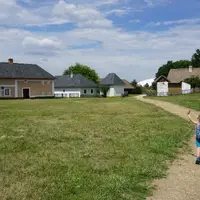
{"points": [[132, 38]]}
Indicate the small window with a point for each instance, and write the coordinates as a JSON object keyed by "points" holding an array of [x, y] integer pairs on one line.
{"points": [[6, 92], [85, 91], [92, 91]]}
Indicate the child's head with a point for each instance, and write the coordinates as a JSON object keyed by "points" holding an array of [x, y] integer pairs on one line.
{"points": [[198, 117]]}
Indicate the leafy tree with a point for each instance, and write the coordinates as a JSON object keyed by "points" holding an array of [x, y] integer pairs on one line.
{"points": [[154, 86], [194, 81], [195, 61], [164, 70], [137, 90], [104, 89], [85, 70], [134, 83], [146, 85]]}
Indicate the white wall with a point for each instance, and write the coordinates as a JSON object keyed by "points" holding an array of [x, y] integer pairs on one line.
{"points": [[186, 88], [115, 91], [78, 91], [162, 89]]}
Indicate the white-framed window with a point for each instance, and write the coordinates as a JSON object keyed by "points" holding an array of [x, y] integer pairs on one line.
{"points": [[92, 91], [7, 92], [85, 91]]}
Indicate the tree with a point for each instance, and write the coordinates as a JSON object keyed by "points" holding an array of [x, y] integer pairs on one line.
{"points": [[146, 85], [195, 61], [85, 70], [134, 83], [194, 81], [164, 70], [104, 89]]}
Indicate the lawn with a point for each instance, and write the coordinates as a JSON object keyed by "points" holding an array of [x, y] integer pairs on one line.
{"points": [[85, 149], [188, 100]]}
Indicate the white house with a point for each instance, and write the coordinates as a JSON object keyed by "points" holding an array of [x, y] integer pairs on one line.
{"points": [[115, 84], [175, 81], [74, 86]]}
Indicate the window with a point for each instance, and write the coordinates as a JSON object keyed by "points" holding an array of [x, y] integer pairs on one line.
{"points": [[7, 92], [63, 90], [92, 91], [85, 91]]}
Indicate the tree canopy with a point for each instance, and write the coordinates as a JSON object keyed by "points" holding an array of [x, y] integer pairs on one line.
{"points": [[195, 61], [194, 81], [85, 70], [134, 83], [164, 70]]}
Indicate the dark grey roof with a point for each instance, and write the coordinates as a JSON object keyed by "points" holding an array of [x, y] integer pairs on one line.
{"points": [[18, 70], [112, 79], [77, 81]]}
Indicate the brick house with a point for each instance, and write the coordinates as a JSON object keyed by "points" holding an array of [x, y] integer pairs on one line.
{"points": [[19, 80]]}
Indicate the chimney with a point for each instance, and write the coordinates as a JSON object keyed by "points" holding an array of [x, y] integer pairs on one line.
{"points": [[71, 75], [10, 60], [190, 69]]}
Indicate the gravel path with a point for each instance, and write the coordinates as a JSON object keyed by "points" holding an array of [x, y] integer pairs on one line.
{"points": [[182, 182]]}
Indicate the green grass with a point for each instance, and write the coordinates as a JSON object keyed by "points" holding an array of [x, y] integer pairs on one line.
{"points": [[85, 149], [188, 100]]}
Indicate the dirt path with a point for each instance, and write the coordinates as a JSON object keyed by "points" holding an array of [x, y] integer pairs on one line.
{"points": [[182, 182]]}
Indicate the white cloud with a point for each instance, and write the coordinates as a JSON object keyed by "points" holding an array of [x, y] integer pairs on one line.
{"points": [[153, 3], [135, 54], [135, 21], [44, 46], [80, 15], [44, 43]]}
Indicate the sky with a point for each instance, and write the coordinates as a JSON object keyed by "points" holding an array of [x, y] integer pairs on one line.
{"points": [[131, 38]]}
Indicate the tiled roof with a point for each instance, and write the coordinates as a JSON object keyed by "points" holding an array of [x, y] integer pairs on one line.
{"points": [[77, 81], [112, 79], [18, 70]]}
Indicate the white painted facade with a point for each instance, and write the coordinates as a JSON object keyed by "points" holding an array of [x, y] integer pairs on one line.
{"points": [[75, 92], [186, 88], [162, 88], [115, 90]]}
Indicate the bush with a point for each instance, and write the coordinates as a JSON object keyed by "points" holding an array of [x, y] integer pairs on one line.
{"points": [[137, 90]]}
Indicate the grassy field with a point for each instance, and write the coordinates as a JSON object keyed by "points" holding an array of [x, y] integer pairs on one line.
{"points": [[189, 101], [85, 149]]}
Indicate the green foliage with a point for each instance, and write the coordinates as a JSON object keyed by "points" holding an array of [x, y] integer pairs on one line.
{"points": [[104, 89], [146, 85], [154, 86], [195, 61], [85, 149], [137, 90], [191, 101], [134, 83], [85, 70], [164, 70], [194, 81]]}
